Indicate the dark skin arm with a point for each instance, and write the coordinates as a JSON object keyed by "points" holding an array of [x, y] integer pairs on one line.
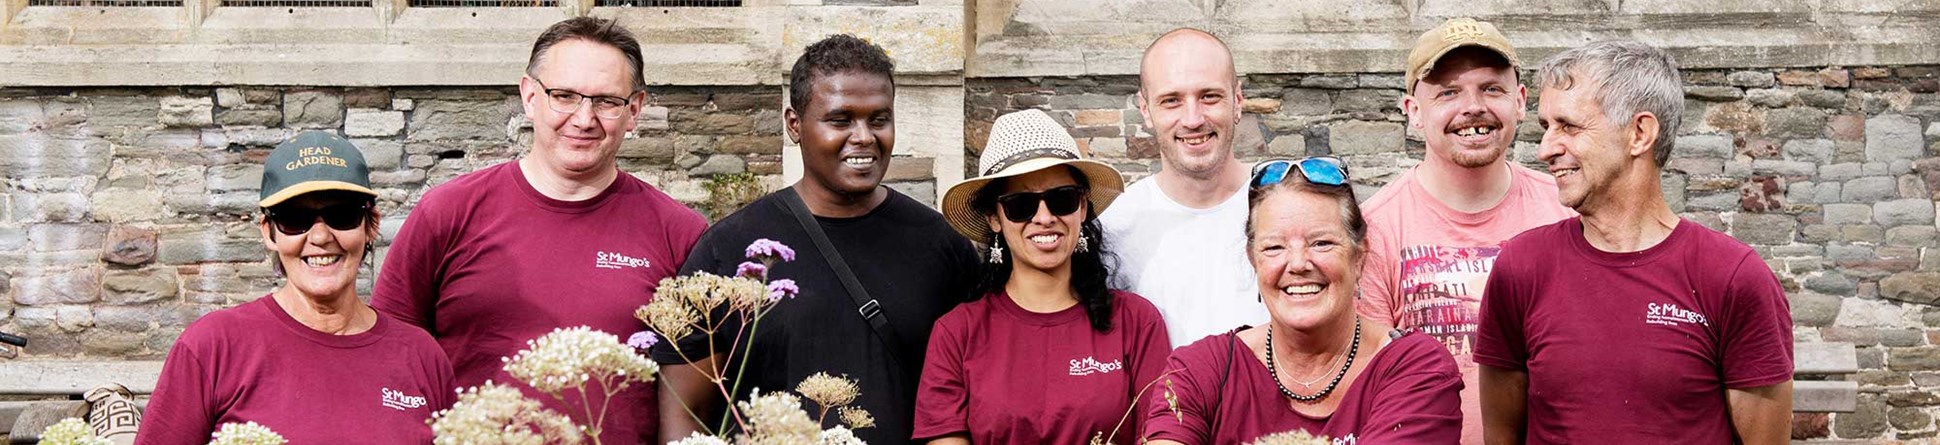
{"points": [[1505, 404], [686, 383]]}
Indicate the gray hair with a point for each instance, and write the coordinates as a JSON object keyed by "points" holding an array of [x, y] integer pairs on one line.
{"points": [[1628, 77]]}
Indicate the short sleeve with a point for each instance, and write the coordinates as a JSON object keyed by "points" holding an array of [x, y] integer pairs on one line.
{"points": [[1499, 336], [409, 284], [1378, 278], [1758, 336], [943, 394], [1180, 407], [181, 410], [1150, 345], [1420, 399]]}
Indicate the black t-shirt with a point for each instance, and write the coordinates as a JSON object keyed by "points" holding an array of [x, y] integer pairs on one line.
{"points": [[905, 255]]}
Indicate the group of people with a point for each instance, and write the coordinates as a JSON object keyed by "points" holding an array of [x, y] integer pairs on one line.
{"points": [[1471, 300]]}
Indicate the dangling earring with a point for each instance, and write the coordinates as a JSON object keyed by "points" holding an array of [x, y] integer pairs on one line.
{"points": [[1084, 243], [996, 249]]}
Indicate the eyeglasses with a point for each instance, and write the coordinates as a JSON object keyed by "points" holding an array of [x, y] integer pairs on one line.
{"points": [[1324, 170], [1022, 206], [567, 101], [291, 220]]}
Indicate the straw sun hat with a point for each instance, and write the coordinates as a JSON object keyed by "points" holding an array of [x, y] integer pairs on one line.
{"points": [[1020, 143]]}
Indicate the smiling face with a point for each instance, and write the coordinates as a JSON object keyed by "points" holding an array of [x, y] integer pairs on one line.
{"points": [[578, 143], [1466, 109], [322, 262], [1191, 102], [847, 132], [1305, 257], [1583, 148], [1045, 242]]}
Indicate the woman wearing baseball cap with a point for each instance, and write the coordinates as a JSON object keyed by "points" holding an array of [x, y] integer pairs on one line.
{"points": [[1049, 353], [311, 360]]}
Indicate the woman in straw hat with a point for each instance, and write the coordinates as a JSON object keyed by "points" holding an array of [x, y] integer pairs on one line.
{"points": [[1315, 367], [310, 361], [1048, 353]]}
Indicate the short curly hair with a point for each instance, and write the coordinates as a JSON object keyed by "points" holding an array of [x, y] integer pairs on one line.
{"points": [[836, 54]]}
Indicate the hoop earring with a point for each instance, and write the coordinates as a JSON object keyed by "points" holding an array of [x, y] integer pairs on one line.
{"points": [[996, 250]]}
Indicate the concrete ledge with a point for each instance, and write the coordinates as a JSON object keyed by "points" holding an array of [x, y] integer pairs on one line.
{"points": [[1824, 358], [1813, 396], [76, 377]]}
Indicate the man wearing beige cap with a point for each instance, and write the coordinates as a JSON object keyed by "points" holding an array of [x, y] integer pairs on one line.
{"points": [[1433, 233]]}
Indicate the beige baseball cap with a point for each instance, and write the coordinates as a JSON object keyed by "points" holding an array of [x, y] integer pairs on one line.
{"points": [[1452, 34]]}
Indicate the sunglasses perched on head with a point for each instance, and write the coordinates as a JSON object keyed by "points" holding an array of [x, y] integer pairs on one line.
{"points": [[1021, 206], [293, 220], [1324, 170]]}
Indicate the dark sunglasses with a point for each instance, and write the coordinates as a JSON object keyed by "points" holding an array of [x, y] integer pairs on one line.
{"points": [[1324, 170], [1021, 206], [292, 220]]}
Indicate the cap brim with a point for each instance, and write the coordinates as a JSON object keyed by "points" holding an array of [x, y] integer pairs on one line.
{"points": [[311, 186], [1105, 183], [1429, 66]]}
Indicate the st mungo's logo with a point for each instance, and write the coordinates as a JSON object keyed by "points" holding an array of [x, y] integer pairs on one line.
{"points": [[400, 401], [1669, 314], [616, 260]]}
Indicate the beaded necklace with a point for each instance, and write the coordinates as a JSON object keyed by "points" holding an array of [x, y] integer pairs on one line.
{"points": [[1274, 371]]}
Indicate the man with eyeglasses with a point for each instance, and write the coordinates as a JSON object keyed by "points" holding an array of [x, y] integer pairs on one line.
{"points": [[1434, 232], [559, 238]]}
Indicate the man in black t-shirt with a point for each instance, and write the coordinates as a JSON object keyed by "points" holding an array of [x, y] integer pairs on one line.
{"points": [[905, 256]]}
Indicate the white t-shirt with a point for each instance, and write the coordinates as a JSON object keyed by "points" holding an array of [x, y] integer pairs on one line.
{"points": [[1189, 262]]}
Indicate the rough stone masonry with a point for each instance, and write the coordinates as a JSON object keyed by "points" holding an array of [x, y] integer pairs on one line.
{"points": [[1831, 173]]}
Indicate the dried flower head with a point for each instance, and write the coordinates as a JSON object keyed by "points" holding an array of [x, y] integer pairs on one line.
{"points": [[1172, 401], [782, 288], [767, 251], [753, 270], [856, 417], [71, 431], [840, 436], [248, 433], [829, 391], [1296, 437], [699, 439], [642, 340], [669, 317], [777, 418], [500, 414], [568, 357]]}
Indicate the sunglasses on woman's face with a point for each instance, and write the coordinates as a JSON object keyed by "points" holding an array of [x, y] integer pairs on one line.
{"points": [[292, 220], [1021, 206], [1324, 170]]}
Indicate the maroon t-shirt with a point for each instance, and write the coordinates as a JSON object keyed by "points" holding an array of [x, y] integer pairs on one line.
{"points": [[1409, 394], [1634, 347], [254, 363], [485, 263], [1003, 374]]}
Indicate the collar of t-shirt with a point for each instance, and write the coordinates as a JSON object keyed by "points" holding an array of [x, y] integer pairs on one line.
{"points": [[1629, 259], [362, 339], [1002, 302], [1162, 200], [516, 175]]}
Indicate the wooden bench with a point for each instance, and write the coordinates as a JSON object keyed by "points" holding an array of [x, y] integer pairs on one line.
{"points": [[44, 392], [1819, 371]]}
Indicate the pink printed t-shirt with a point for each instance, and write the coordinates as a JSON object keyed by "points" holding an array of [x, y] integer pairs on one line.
{"points": [[1408, 394], [1634, 348], [255, 363], [485, 263], [1427, 263], [1003, 374]]}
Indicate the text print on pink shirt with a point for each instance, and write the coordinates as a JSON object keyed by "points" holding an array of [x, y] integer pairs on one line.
{"points": [[1089, 366], [1669, 314], [400, 401], [616, 260]]}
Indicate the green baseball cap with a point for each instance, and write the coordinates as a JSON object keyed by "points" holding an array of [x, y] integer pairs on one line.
{"points": [[313, 161]]}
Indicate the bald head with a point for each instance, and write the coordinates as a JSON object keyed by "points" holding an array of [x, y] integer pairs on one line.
{"points": [[1183, 47]]}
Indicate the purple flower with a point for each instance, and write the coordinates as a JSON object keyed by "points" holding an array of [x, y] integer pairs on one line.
{"points": [[752, 269], [767, 249], [642, 340], [782, 288]]}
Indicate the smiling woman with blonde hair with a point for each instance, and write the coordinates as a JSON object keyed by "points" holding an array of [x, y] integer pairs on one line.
{"points": [[311, 360]]}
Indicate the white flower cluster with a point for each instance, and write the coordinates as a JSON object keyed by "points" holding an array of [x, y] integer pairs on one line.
{"points": [[840, 436], [1296, 437], [699, 439], [500, 414], [777, 418], [829, 391], [249, 433], [71, 431], [568, 357]]}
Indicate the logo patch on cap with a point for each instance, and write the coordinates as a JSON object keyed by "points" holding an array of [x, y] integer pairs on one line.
{"points": [[1462, 30], [308, 156]]}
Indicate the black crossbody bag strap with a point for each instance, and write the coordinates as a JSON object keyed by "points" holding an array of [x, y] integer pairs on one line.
{"points": [[868, 308]]}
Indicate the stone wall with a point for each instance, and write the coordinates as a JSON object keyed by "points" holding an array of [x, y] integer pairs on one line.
{"points": [[126, 213], [1830, 172]]}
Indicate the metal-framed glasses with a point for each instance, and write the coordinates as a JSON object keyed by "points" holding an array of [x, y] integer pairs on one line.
{"points": [[568, 101], [293, 220], [1022, 206], [1324, 170]]}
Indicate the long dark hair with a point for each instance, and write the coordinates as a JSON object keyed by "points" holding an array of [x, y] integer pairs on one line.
{"points": [[1089, 272]]}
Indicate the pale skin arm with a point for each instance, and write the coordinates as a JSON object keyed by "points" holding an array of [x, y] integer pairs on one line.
{"points": [[1505, 401], [686, 383], [953, 439], [1762, 415]]}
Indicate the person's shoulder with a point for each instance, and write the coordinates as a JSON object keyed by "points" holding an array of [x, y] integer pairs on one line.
{"points": [[1386, 200], [1711, 243], [1543, 236], [1125, 208], [1211, 348], [1133, 303], [1414, 352], [670, 210], [762, 212], [965, 316], [228, 324], [466, 188]]}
